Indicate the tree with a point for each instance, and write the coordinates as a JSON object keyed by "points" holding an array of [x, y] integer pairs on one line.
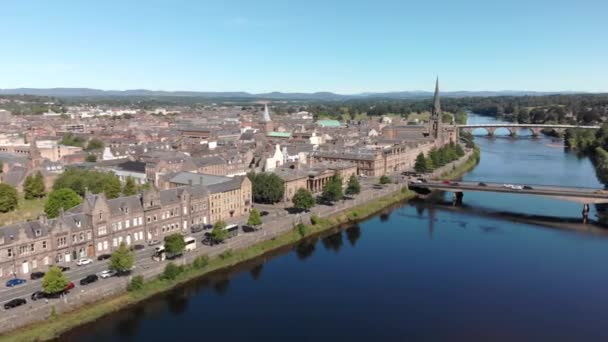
{"points": [[61, 199], [94, 144], [175, 244], [112, 187], [254, 218], [91, 158], [333, 189], [122, 259], [171, 271], [303, 199], [8, 198], [72, 140], [54, 281], [385, 179], [353, 187], [266, 187], [218, 233], [420, 165], [129, 188], [33, 186]]}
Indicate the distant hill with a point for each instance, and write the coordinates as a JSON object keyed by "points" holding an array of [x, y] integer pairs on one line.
{"points": [[277, 96]]}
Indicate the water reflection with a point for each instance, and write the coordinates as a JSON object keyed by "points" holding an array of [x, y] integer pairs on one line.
{"points": [[353, 234], [256, 271], [221, 286], [333, 242], [306, 248]]}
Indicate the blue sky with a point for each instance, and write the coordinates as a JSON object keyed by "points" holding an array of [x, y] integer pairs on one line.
{"points": [[340, 46]]}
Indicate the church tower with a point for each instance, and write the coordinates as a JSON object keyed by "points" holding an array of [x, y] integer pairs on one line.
{"points": [[435, 121], [267, 123]]}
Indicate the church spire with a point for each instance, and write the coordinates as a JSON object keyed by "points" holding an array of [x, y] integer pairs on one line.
{"points": [[436, 103], [266, 114]]}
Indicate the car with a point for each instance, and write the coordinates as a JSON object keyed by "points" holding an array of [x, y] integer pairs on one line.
{"points": [[454, 183], [91, 278], [84, 261], [107, 274], [508, 186], [197, 228], [36, 275], [264, 213], [69, 286], [446, 182], [517, 187], [208, 240], [482, 184], [137, 247], [422, 180], [527, 187], [38, 295], [417, 181], [378, 186], [14, 303], [104, 257], [15, 282], [153, 242], [208, 226]]}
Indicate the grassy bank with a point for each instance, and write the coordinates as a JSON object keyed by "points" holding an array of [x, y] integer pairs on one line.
{"points": [[54, 326], [463, 168]]}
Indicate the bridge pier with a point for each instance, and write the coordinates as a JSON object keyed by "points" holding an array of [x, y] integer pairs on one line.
{"points": [[490, 131], [585, 213], [536, 131], [512, 132], [457, 198]]}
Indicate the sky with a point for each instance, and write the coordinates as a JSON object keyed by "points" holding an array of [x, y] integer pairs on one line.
{"points": [[305, 46]]}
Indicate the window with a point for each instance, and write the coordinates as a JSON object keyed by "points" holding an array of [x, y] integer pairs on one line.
{"points": [[44, 244], [45, 260], [89, 235], [38, 232], [149, 219], [31, 247], [99, 246], [127, 223], [154, 217], [34, 263], [114, 242], [105, 245], [141, 220], [74, 240], [62, 241], [102, 230], [119, 225], [134, 221], [81, 236]]}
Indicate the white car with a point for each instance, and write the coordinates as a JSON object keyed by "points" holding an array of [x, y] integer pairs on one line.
{"points": [[107, 274], [517, 187], [508, 186], [82, 262]]}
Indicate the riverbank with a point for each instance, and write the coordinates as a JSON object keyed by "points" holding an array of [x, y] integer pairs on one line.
{"points": [[459, 169], [56, 324]]}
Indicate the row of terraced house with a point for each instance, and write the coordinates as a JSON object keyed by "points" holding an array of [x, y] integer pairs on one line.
{"points": [[98, 225]]}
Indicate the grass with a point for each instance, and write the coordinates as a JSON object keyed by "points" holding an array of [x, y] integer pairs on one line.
{"points": [[27, 210], [55, 326]]}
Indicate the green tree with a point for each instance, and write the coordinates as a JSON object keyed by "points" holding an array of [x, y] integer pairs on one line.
{"points": [[420, 165], [385, 179], [94, 144], [303, 199], [72, 140], [121, 259], [136, 284], [218, 233], [333, 189], [91, 158], [61, 199], [266, 187], [129, 188], [171, 271], [254, 218], [33, 186], [175, 244], [112, 187], [54, 281], [353, 187], [8, 198]]}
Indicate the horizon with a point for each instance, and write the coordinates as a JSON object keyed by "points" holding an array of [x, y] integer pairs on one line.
{"points": [[344, 48]]}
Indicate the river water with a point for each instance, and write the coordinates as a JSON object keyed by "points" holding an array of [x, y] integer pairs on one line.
{"points": [[421, 271]]}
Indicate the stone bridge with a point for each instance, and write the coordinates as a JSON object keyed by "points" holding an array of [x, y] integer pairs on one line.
{"points": [[513, 128]]}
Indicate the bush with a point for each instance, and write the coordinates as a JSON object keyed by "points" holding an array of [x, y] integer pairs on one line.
{"points": [[314, 219], [385, 179], [302, 229], [8, 198], [227, 254], [136, 284], [171, 271], [200, 262]]}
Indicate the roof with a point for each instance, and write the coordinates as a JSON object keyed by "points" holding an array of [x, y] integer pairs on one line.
{"points": [[133, 166], [185, 178], [279, 134], [329, 123]]}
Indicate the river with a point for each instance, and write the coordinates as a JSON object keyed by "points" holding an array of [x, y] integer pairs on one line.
{"points": [[421, 271]]}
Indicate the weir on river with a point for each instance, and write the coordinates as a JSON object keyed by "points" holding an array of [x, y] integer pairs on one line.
{"points": [[419, 271]]}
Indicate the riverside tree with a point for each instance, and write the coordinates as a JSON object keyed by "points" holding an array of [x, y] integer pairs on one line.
{"points": [[60, 199], [218, 233], [332, 191], [303, 199], [353, 187], [254, 218], [8, 198], [54, 281], [122, 259], [175, 244], [266, 187]]}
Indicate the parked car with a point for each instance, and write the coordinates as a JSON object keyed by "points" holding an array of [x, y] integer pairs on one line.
{"points": [[527, 187], [91, 278], [208, 226], [264, 213], [38, 295], [446, 182], [482, 184], [15, 282], [517, 187], [153, 242], [137, 247], [104, 257], [197, 228], [69, 287], [84, 261], [14, 303], [36, 275], [422, 180], [107, 274]]}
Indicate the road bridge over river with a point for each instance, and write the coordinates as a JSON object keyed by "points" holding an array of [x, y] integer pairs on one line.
{"points": [[513, 128], [573, 194]]}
